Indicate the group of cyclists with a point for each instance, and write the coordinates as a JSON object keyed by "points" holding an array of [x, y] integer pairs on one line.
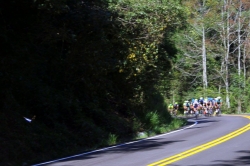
{"points": [[203, 106]]}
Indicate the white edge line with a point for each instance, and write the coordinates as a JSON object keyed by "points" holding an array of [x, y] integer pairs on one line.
{"points": [[103, 149]]}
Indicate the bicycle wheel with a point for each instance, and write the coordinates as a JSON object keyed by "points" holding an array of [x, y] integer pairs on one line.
{"points": [[196, 114], [219, 112]]}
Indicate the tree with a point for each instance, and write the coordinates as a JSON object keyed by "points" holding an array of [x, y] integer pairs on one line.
{"points": [[195, 43]]}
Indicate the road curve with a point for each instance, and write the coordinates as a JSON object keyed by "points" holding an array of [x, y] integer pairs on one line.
{"points": [[229, 136]]}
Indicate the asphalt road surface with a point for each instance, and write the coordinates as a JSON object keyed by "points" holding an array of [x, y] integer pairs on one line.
{"points": [[207, 141]]}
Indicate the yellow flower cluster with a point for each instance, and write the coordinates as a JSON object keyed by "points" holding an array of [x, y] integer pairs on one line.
{"points": [[131, 56], [145, 57]]}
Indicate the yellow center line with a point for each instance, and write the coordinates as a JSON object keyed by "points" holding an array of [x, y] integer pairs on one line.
{"points": [[202, 147]]}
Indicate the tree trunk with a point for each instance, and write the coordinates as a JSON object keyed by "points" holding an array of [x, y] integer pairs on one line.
{"points": [[239, 39], [239, 106], [204, 59], [227, 53]]}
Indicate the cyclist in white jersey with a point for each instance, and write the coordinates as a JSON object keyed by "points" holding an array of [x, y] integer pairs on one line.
{"points": [[218, 104], [196, 105]]}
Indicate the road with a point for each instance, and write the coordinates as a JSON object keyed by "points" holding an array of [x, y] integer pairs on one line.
{"points": [[212, 141]]}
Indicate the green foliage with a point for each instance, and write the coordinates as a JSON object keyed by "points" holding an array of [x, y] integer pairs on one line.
{"points": [[239, 94], [175, 124], [112, 139], [152, 119], [154, 125], [160, 129]]}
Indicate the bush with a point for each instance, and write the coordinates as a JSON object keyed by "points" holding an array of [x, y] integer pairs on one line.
{"points": [[152, 119], [112, 139]]}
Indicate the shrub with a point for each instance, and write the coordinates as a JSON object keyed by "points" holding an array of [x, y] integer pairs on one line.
{"points": [[112, 139], [152, 119]]}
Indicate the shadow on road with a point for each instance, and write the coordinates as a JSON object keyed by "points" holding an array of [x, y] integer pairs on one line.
{"points": [[243, 160], [201, 121], [147, 144]]}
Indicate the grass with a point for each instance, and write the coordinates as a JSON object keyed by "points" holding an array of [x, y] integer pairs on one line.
{"points": [[175, 124], [112, 139]]}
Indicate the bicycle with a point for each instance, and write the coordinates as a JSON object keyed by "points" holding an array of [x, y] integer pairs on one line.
{"points": [[196, 114], [218, 111], [174, 112], [209, 111], [187, 111]]}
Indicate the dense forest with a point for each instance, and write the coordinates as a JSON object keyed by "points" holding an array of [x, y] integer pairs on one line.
{"points": [[93, 73]]}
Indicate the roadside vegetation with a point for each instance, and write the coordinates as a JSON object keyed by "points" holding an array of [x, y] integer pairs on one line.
{"points": [[95, 73]]}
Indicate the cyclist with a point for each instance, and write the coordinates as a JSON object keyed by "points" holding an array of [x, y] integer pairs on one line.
{"points": [[213, 104], [201, 105], [218, 104], [196, 108], [186, 107], [209, 105], [176, 107], [170, 108]]}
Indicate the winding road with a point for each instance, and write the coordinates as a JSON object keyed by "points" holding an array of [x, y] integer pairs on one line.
{"points": [[207, 141]]}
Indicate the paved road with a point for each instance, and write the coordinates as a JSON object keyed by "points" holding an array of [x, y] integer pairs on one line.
{"points": [[231, 150]]}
